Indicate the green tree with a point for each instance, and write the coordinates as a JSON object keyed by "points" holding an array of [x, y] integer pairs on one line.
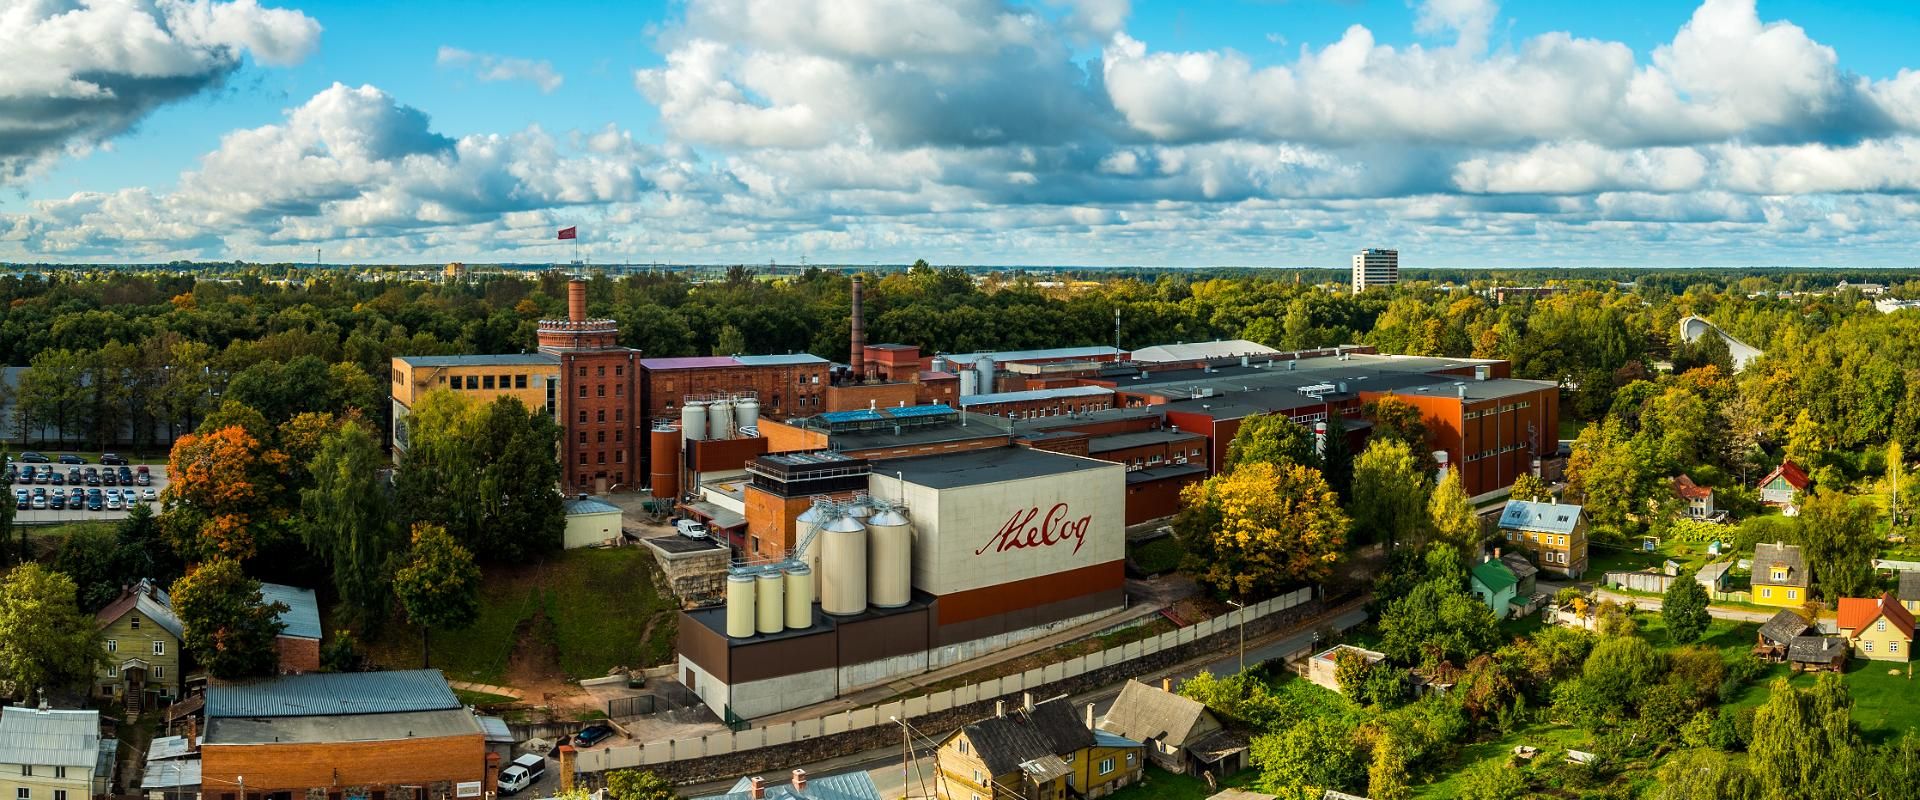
{"points": [[1437, 621], [1451, 515], [1309, 758], [484, 472], [1621, 666], [638, 784], [1259, 529], [91, 558], [1271, 439], [230, 627], [1685, 608], [729, 342], [1703, 774], [1390, 494], [437, 584], [1492, 780], [1531, 487], [1805, 745], [46, 642], [349, 519], [1838, 538], [1396, 419], [1807, 441], [1387, 775]]}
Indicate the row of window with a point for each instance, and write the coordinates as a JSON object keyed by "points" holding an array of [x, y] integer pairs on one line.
{"points": [[480, 382], [619, 435], [600, 371], [1485, 454], [619, 415], [1892, 647], [155, 671], [619, 390], [159, 646], [1548, 539], [619, 457], [1792, 594], [616, 479]]}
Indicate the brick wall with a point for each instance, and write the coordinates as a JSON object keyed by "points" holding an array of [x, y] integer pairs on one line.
{"points": [[297, 655], [298, 767]]}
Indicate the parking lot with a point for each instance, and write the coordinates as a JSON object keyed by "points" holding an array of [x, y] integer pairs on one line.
{"points": [[49, 516]]}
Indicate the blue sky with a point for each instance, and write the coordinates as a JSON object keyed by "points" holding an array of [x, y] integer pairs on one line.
{"points": [[1275, 132]]}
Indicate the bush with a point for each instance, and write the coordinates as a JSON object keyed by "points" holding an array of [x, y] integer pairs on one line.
{"points": [[1157, 556]]}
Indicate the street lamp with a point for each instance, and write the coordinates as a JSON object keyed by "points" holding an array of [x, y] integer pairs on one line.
{"points": [[1243, 633]]}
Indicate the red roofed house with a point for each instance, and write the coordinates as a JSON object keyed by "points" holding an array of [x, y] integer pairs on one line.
{"points": [[1879, 628], [1699, 498], [1782, 485]]}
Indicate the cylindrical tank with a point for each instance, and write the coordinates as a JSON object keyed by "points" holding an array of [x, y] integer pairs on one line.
{"points": [[740, 608], [693, 420], [746, 413], [664, 462], [804, 525], [985, 366], [720, 419], [890, 570], [799, 597], [860, 510], [767, 596], [939, 364], [969, 383], [843, 566]]}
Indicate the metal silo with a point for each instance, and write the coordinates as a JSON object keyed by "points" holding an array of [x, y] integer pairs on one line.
{"points": [[843, 566], [767, 597], [969, 383], [985, 366], [740, 608], [799, 596], [939, 364], [693, 420], [890, 570], [746, 413], [720, 419]]}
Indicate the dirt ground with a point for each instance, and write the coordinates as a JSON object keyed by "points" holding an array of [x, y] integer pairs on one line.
{"points": [[534, 669]]}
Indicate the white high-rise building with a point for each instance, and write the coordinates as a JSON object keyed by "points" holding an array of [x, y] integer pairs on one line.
{"points": [[1375, 267]]}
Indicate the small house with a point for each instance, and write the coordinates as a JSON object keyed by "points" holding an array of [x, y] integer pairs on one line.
{"points": [[1713, 577], [1780, 576], [1493, 584], [142, 638], [1324, 669], [1782, 487], [1554, 534], [590, 522], [1910, 590], [298, 644], [1523, 571], [1776, 636], [1037, 750], [1699, 499], [1181, 736], [1880, 628], [855, 785], [1817, 654]]}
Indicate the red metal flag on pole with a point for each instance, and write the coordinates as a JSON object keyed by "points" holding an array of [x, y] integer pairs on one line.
{"points": [[569, 232]]}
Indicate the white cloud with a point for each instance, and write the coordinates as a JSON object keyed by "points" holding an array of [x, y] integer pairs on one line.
{"points": [[78, 73], [490, 68]]}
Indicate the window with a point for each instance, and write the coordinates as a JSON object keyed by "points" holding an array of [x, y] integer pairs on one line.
{"points": [[486, 381], [1893, 646], [619, 369], [619, 389], [473, 381], [619, 414], [600, 415], [962, 744], [600, 391], [583, 372], [1129, 761], [113, 671], [1106, 765], [617, 434], [583, 462], [113, 645], [600, 371], [583, 416], [159, 647], [600, 437], [519, 381], [1868, 646], [600, 457], [619, 456], [583, 437], [1793, 594], [1880, 626], [134, 621], [159, 671], [583, 390], [59, 772], [1766, 592]]}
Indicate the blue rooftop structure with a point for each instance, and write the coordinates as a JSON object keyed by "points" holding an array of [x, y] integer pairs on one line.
{"points": [[855, 785], [588, 505], [1526, 515], [302, 616], [335, 693], [907, 412], [863, 415]]}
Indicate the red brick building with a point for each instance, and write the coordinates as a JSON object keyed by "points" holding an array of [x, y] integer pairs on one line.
{"points": [[602, 434]]}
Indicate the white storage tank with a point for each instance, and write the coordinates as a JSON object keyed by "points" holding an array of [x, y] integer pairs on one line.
{"points": [[890, 565], [693, 420], [799, 597], [746, 414], [843, 566], [740, 608], [720, 419], [984, 365], [969, 383], [939, 364], [767, 596]]}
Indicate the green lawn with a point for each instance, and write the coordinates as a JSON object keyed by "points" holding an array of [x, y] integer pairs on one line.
{"points": [[1552, 741], [589, 609], [1162, 785], [1883, 703]]}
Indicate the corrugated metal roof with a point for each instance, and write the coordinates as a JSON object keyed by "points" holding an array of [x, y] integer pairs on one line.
{"points": [[589, 506], [1196, 351], [1105, 739], [1049, 354], [496, 729], [792, 360], [167, 747], [171, 774], [323, 694], [689, 362], [856, 785], [1035, 394], [499, 360], [1526, 515], [59, 737], [302, 616]]}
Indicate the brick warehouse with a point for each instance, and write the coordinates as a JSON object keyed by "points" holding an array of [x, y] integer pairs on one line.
{"points": [[602, 433]]}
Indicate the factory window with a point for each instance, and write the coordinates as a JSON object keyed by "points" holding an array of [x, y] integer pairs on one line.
{"points": [[756, 544], [486, 381], [583, 462], [619, 390], [600, 415], [619, 456], [519, 381], [599, 436], [600, 457], [600, 391], [619, 414], [473, 381], [583, 416], [600, 371], [618, 435], [583, 390], [583, 437], [619, 370], [583, 371]]}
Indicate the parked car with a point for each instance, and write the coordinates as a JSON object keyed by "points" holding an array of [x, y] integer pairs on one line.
{"points": [[30, 457], [109, 478], [40, 502], [58, 479], [149, 495], [143, 479], [43, 477], [75, 475], [20, 500], [126, 476], [690, 528], [112, 458], [93, 479], [76, 497], [113, 504], [94, 503], [592, 735], [142, 469], [525, 771], [69, 458], [57, 502]]}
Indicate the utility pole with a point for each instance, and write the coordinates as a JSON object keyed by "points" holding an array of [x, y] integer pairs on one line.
{"points": [[1243, 632]]}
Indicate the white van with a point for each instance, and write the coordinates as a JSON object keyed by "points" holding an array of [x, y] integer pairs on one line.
{"points": [[522, 773], [690, 528]]}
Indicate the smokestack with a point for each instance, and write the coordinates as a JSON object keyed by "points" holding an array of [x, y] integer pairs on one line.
{"points": [[577, 300], [857, 358], [1320, 439]]}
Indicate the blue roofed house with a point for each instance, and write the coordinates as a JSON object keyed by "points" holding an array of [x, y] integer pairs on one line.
{"points": [[855, 785], [590, 521], [1552, 533], [53, 754], [299, 643], [1494, 584]]}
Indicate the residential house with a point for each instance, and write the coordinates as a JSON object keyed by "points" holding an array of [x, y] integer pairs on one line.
{"points": [[298, 644], [1910, 590], [1818, 654], [1777, 634], [1713, 577], [1780, 575], [400, 734], [1699, 499], [144, 653], [1036, 752], [1493, 584], [1782, 487], [1324, 669], [856, 785], [1523, 570], [1553, 534], [53, 754], [1880, 628], [1180, 734]]}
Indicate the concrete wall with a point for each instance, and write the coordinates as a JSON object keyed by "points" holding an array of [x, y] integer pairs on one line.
{"points": [[773, 695], [585, 530]]}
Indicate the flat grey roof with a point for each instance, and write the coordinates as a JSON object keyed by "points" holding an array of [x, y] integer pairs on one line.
{"points": [[995, 465], [342, 728], [57, 737], [1164, 472], [497, 360], [1122, 441]]}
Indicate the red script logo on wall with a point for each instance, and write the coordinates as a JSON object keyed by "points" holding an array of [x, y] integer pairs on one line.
{"points": [[1021, 532]]}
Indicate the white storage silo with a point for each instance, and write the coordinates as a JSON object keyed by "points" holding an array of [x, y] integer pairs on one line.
{"points": [[693, 420], [843, 566], [767, 596], [746, 413], [720, 419], [740, 608], [890, 562], [969, 383], [985, 366], [799, 596], [939, 364]]}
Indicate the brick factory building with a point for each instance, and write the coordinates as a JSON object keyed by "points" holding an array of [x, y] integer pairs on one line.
{"points": [[602, 434], [400, 735]]}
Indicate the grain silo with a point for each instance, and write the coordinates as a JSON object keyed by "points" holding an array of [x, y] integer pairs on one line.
{"points": [[664, 461], [720, 419], [843, 565], [746, 413], [740, 607], [767, 597], [890, 561], [799, 597], [693, 420]]}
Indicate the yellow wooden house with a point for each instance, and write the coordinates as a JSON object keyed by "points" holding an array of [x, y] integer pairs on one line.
{"points": [[1039, 751]]}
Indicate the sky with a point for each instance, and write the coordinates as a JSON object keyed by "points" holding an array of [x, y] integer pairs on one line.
{"points": [[1281, 133]]}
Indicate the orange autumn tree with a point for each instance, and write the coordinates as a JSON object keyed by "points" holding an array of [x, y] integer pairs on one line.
{"points": [[222, 495], [1261, 528]]}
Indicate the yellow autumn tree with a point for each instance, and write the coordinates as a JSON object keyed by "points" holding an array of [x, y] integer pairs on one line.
{"points": [[1261, 528]]}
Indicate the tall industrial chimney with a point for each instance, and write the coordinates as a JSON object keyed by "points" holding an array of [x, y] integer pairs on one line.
{"points": [[857, 359], [577, 300]]}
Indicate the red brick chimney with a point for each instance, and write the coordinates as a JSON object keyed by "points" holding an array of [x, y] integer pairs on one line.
{"points": [[758, 788], [577, 300], [857, 357], [799, 780]]}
